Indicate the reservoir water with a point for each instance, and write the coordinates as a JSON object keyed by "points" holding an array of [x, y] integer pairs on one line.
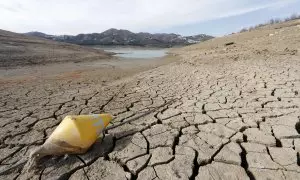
{"points": [[135, 52]]}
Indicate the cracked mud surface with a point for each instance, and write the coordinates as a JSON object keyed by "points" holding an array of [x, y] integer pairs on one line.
{"points": [[229, 119]]}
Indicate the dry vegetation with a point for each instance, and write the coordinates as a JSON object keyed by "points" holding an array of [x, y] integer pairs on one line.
{"points": [[272, 21]]}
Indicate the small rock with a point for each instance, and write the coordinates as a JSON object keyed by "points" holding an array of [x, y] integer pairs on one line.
{"points": [[229, 43]]}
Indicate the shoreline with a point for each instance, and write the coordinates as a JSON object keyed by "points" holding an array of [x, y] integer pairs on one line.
{"points": [[111, 69]]}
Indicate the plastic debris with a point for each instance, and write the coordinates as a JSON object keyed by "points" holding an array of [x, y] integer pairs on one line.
{"points": [[74, 135]]}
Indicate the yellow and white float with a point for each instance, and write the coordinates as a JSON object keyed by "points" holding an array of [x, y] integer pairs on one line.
{"points": [[74, 135]]}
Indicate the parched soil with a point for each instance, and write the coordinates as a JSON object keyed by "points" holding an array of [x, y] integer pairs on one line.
{"points": [[228, 109]]}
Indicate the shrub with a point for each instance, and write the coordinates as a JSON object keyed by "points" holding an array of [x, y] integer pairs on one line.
{"points": [[272, 21], [243, 30]]}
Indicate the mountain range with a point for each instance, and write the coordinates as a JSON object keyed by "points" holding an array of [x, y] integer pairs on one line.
{"points": [[125, 37]]}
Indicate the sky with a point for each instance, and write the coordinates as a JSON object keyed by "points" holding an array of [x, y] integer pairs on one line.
{"points": [[185, 17]]}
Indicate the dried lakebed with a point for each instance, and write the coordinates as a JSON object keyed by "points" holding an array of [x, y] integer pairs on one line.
{"points": [[236, 122], [234, 115]]}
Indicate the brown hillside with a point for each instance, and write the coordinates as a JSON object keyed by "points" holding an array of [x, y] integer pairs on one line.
{"points": [[19, 50]]}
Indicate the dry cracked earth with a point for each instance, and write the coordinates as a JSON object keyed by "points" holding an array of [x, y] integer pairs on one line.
{"points": [[211, 116]]}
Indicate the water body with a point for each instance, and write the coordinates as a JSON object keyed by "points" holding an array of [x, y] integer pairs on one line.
{"points": [[135, 52]]}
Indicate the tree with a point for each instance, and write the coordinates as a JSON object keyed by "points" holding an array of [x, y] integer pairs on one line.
{"points": [[277, 20], [272, 21]]}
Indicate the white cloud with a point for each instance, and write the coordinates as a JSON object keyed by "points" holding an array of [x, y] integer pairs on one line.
{"points": [[78, 16]]}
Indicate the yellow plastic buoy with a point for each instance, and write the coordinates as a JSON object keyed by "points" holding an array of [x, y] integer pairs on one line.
{"points": [[74, 135]]}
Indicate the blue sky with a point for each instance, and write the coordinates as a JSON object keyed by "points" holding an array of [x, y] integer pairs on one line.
{"points": [[219, 27], [186, 17]]}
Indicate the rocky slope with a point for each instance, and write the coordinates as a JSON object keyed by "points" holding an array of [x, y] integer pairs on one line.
{"points": [[18, 50], [125, 37]]}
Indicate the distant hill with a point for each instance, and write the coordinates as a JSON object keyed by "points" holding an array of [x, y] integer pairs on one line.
{"points": [[19, 50], [125, 37]]}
